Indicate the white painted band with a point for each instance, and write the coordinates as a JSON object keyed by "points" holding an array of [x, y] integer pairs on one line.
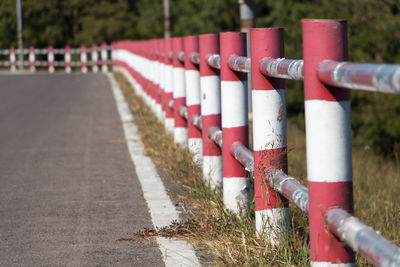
{"points": [[50, 57], [179, 82], [95, 57], [195, 146], [161, 74], [236, 194], [169, 124], [67, 57], [158, 111], [156, 76], [31, 57], [328, 141], [168, 79], [103, 54], [269, 119], [210, 95], [192, 84], [234, 111], [273, 224], [181, 136], [212, 171], [83, 57]]}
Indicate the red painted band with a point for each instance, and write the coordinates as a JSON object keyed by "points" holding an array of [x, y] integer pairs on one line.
{"points": [[177, 46], [193, 131], [323, 39], [265, 196], [232, 43], [265, 43], [232, 167], [168, 49], [191, 45], [169, 112], [324, 246], [209, 44], [179, 120], [209, 147]]}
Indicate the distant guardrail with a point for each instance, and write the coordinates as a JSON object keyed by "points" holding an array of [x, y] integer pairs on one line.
{"points": [[48, 55]]}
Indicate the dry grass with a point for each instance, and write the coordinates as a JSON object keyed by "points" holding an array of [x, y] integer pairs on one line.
{"points": [[232, 240]]}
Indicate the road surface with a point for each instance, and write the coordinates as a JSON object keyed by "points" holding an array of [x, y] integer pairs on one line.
{"points": [[68, 190]]}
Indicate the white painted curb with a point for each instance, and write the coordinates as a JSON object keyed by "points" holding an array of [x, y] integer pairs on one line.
{"points": [[175, 252]]}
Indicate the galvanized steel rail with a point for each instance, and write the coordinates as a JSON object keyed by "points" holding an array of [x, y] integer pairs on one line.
{"points": [[215, 134], [196, 120], [241, 64], [362, 239], [195, 58], [214, 61], [381, 78], [290, 69]]}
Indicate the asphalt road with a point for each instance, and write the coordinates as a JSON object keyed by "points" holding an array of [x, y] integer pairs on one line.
{"points": [[68, 189]]}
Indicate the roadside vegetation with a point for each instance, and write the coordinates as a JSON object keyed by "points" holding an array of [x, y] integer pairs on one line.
{"points": [[232, 240]]}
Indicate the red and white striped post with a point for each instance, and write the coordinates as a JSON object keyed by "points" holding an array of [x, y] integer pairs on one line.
{"points": [[192, 85], [329, 167], [236, 183], [169, 113], [83, 59], [180, 130], [13, 65], [104, 58], [210, 110], [161, 51], [153, 81], [269, 134], [157, 79], [32, 66], [67, 59], [95, 59], [50, 59]]}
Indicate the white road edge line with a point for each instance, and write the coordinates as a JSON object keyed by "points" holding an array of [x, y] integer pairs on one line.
{"points": [[175, 252]]}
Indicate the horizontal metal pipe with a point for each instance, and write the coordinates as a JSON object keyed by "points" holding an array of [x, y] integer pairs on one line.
{"points": [[215, 134], [214, 61], [241, 64], [183, 112], [195, 58], [382, 78], [181, 56], [4, 52], [291, 69], [289, 187], [171, 104], [243, 155], [196, 120], [362, 239]]}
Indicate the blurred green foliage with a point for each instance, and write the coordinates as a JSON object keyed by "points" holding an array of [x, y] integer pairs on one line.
{"points": [[374, 36]]}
